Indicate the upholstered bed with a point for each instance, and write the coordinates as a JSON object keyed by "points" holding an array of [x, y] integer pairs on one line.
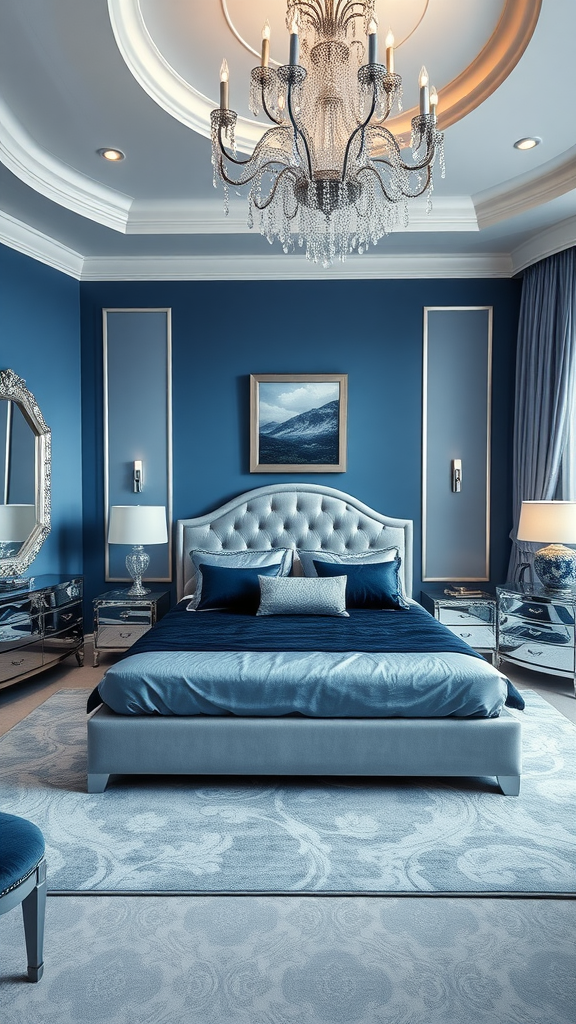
{"points": [[231, 739]]}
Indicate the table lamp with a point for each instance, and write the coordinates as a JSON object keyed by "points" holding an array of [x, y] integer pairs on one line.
{"points": [[554, 521], [137, 525]]}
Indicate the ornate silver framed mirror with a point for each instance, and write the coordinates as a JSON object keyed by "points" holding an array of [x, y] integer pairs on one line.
{"points": [[25, 469]]}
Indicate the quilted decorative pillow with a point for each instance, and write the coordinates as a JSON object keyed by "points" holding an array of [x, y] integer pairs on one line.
{"points": [[246, 559], [237, 590], [298, 595], [375, 585]]}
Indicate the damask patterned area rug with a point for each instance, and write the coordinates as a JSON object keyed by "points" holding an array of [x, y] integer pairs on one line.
{"points": [[260, 835], [294, 960]]}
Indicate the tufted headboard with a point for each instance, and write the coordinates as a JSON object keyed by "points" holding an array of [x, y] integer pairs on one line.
{"points": [[308, 516]]}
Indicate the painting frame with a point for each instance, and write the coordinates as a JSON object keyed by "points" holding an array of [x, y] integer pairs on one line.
{"points": [[258, 382]]}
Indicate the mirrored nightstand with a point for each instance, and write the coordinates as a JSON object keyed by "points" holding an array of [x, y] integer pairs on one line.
{"points": [[119, 620], [473, 619]]}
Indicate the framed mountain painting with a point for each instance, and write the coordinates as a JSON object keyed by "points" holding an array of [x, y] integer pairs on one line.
{"points": [[298, 422]]}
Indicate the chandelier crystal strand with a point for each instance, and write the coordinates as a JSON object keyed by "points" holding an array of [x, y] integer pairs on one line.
{"points": [[329, 175]]}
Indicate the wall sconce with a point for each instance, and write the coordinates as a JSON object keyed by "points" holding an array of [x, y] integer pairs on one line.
{"points": [[457, 475], [138, 479]]}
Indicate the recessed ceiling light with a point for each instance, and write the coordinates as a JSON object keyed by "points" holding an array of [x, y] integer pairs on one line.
{"points": [[114, 155], [527, 143]]}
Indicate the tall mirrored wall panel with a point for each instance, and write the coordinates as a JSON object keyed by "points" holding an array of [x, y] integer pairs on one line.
{"points": [[138, 427], [456, 443]]}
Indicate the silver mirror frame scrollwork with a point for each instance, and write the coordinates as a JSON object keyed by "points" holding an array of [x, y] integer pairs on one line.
{"points": [[13, 388]]}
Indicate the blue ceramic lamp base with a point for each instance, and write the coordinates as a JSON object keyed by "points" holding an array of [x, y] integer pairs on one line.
{"points": [[555, 567]]}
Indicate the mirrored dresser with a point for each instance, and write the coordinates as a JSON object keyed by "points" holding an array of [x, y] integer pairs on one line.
{"points": [[39, 626], [536, 629]]}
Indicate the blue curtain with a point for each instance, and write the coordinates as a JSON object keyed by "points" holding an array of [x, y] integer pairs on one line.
{"points": [[545, 384]]}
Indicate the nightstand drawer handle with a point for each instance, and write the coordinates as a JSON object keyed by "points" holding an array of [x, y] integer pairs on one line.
{"points": [[534, 653], [124, 615], [125, 635], [464, 635], [536, 611], [14, 662]]}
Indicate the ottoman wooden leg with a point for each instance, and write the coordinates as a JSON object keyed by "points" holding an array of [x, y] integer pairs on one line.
{"points": [[33, 912]]}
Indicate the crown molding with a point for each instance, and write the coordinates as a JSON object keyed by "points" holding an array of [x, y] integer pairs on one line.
{"points": [[57, 181], [448, 213], [31, 242], [556, 178], [546, 243], [39, 246], [293, 268]]}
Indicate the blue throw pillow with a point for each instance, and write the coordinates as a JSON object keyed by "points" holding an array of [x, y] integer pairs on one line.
{"points": [[376, 585], [235, 589]]}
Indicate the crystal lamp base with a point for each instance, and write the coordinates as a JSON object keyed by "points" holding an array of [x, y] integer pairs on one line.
{"points": [[137, 562]]}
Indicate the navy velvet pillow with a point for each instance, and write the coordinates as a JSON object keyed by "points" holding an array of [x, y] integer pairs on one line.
{"points": [[236, 589], [376, 585]]}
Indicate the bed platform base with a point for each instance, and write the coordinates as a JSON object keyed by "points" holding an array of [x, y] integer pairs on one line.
{"points": [[294, 745]]}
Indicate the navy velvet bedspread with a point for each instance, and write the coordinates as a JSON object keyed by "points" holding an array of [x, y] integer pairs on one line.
{"points": [[413, 630]]}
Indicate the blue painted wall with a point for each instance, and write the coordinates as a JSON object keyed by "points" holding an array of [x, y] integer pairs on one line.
{"points": [[40, 341], [138, 386], [371, 330]]}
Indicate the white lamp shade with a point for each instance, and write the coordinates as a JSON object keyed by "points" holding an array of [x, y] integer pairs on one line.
{"points": [[137, 524], [16, 523], [552, 522]]}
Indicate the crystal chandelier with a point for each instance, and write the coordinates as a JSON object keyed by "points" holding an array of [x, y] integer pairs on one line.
{"points": [[329, 173]]}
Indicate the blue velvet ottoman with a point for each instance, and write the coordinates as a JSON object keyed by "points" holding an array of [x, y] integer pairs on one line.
{"points": [[23, 880]]}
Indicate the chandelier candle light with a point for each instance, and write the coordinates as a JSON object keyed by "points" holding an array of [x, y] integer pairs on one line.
{"points": [[329, 173]]}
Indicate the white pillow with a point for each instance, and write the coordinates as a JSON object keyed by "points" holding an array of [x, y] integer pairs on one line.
{"points": [[357, 558], [247, 559], [301, 595]]}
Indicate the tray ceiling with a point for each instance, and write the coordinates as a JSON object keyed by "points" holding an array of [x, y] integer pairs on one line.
{"points": [[142, 76]]}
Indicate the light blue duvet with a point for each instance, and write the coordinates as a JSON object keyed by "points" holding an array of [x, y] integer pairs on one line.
{"points": [[316, 684]]}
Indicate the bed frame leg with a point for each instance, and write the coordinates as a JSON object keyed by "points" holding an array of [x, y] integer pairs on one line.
{"points": [[97, 783], [509, 784]]}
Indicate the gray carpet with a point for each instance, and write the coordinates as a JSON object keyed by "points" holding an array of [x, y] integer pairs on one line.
{"points": [[294, 960], [196, 834]]}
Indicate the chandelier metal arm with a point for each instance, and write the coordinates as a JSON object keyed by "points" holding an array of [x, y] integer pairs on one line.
{"points": [[297, 130], [325, 18], [328, 13], [288, 171], [361, 128], [233, 159], [406, 194], [406, 167], [272, 117], [257, 149], [383, 134], [249, 177]]}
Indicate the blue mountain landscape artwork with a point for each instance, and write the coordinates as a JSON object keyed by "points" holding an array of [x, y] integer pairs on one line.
{"points": [[310, 437]]}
